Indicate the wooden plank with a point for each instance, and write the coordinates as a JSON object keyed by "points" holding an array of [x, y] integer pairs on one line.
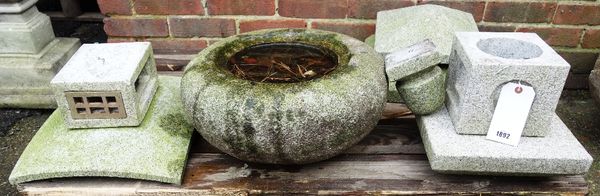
{"points": [[214, 173], [70, 8], [172, 62], [390, 160], [171, 73]]}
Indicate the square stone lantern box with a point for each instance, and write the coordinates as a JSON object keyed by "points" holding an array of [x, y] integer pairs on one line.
{"points": [[482, 62], [106, 85]]}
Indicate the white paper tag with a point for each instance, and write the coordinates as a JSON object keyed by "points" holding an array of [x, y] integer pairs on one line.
{"points": [[511, 113]]}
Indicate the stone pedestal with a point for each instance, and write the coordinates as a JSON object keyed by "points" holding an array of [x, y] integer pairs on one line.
{"points": [[482, 62], [30, 55]]}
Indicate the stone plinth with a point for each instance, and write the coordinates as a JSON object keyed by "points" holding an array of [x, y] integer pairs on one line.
{"points": [[481, 63], [30, 55], [156, 150], [558, 153], [25, 79], [404, 27], [106, 85], [15, 6], [25, 33]]}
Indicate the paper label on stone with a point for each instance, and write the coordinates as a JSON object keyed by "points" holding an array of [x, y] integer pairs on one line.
{"points": [[511, 113]]}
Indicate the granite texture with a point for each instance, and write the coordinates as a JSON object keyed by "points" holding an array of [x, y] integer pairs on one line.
{"points": [[404, 27], [285, 123], [25, 33], [370, 41], [156, 150], [423, 92], [126, 68], [392, 95], [594, 80], [481, 63], [16, 6], [559, 153], [25, 79], [410, 60]]}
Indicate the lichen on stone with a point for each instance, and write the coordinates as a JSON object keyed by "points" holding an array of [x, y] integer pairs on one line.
{"points": [[288, 123]]}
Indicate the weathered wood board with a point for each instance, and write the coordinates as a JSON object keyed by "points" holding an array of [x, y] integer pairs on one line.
{"points": [[391, 160]]}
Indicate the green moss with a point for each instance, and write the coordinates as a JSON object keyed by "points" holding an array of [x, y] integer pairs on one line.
{"points": [[175, 124], [154, 150], [213, 59], [274, 109]]}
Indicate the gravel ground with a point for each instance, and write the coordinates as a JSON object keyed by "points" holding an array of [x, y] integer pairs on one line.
{"points": [[17, 127], [576, 109]]}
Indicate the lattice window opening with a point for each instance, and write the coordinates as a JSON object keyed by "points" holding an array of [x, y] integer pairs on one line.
{"points": [[96, 105]]}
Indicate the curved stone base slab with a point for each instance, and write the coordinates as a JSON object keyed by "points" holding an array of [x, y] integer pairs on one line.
{"points": [[25, 79], [558, 153], [156, 150]]}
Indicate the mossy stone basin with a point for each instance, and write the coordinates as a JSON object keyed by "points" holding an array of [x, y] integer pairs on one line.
{"points": [[285, 123]]}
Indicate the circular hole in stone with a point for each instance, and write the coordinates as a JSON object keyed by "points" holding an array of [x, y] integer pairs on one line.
{"points": [[509, 48], [282, 62]]}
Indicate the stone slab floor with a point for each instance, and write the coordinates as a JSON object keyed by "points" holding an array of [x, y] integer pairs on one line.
{"points": [[576, 109]]}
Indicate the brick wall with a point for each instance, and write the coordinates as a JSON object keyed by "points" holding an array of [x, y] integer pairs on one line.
{"points": [[180, 28]]}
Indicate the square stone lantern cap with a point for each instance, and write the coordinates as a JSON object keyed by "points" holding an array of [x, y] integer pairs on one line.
{"points": [[104, 63], [101, 82], [399, 28]]}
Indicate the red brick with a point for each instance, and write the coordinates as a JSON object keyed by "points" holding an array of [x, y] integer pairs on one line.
{"points": [[177, 46], [496, 28], [313, 8], [168, 46], [201, 27], [538, 12], [214, 40], [577, 14], [115, 7], [119, 40], [556, 36], [241, 7], [581, 62], [166, 7], [369, 8], [474, 7], [253, 25], [591, 39], [136, 27], [357, 30]]}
